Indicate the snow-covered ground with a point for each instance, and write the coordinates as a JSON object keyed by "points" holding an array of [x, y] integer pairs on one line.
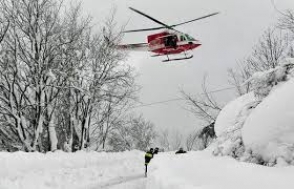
{"points": [[92, 170], [59, 170], [256, 127]]}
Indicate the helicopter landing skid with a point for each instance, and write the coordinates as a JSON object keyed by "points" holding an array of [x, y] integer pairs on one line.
{"points": [[176, 59]]}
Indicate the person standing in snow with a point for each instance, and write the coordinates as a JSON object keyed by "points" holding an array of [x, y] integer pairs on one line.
{"points": [[148, 157], [156, 150], [181, 151]]}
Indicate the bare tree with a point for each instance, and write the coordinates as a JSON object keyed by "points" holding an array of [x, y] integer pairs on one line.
{"points": [[177, 140], [270, 50], [121, 139], [191, 140], [137, 133], [142, 132], [111, 115], [164, 140], [3, 29], [237, 78], [203, 106], [287, 21], [170, 139], [286, 24]]}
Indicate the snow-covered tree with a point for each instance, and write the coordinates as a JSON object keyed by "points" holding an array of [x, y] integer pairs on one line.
{"points": [[56, 76], [3, 29], [170, 139], [137, 133], [272, 48]]}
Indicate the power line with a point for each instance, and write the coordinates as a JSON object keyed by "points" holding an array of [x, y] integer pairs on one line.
{"points": [[180, 99], [159, 102]]}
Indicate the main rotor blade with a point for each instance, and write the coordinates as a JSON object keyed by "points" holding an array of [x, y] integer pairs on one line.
{"points": [[206, 16], [145, 29], [161, 23], [153, 19]]}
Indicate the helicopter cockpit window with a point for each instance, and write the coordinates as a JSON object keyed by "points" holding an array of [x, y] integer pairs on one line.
{"points": [[190, 38], [183, 38]]}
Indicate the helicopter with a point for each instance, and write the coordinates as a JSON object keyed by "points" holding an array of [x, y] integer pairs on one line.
{"points": [[167, 42]]}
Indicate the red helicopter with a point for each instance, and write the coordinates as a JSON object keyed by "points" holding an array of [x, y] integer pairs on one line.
{"points": [[168, 42]]}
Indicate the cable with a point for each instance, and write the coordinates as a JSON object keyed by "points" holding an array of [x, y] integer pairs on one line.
{"points": [[159, 102], [179, 99]]}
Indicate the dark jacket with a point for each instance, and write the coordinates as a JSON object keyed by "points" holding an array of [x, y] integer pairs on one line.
{"points": [[181, 151], [156, 151], [148, 157]]}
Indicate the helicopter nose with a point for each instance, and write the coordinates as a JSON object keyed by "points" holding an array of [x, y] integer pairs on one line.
{"points": [[194, 44]]}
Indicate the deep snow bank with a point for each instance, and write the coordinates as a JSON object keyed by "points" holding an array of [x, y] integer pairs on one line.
{"points": [[229, 118], [262, 119], [229, 123], [59, 170], [269, 130], [202, 170]]}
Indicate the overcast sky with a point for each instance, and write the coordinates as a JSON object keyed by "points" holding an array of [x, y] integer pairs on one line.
{"points": [[226, 38]]}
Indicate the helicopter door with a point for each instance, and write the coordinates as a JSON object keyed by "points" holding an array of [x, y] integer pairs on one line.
{"points": [[171, 41]]}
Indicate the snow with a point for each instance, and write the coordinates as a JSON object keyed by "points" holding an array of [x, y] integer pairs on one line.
{"points": [[258, 127], [230, 114], [269, 130], [93, 170], [263, 82], [202, 170], [228, 126], [62, 170]]}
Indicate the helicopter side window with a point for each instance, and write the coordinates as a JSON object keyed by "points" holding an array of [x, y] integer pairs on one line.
{"points": [[183, 38], [189, 38]]}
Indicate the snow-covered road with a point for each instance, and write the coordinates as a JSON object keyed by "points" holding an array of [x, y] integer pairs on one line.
{"points": [[81, 170], [92, 170]]}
